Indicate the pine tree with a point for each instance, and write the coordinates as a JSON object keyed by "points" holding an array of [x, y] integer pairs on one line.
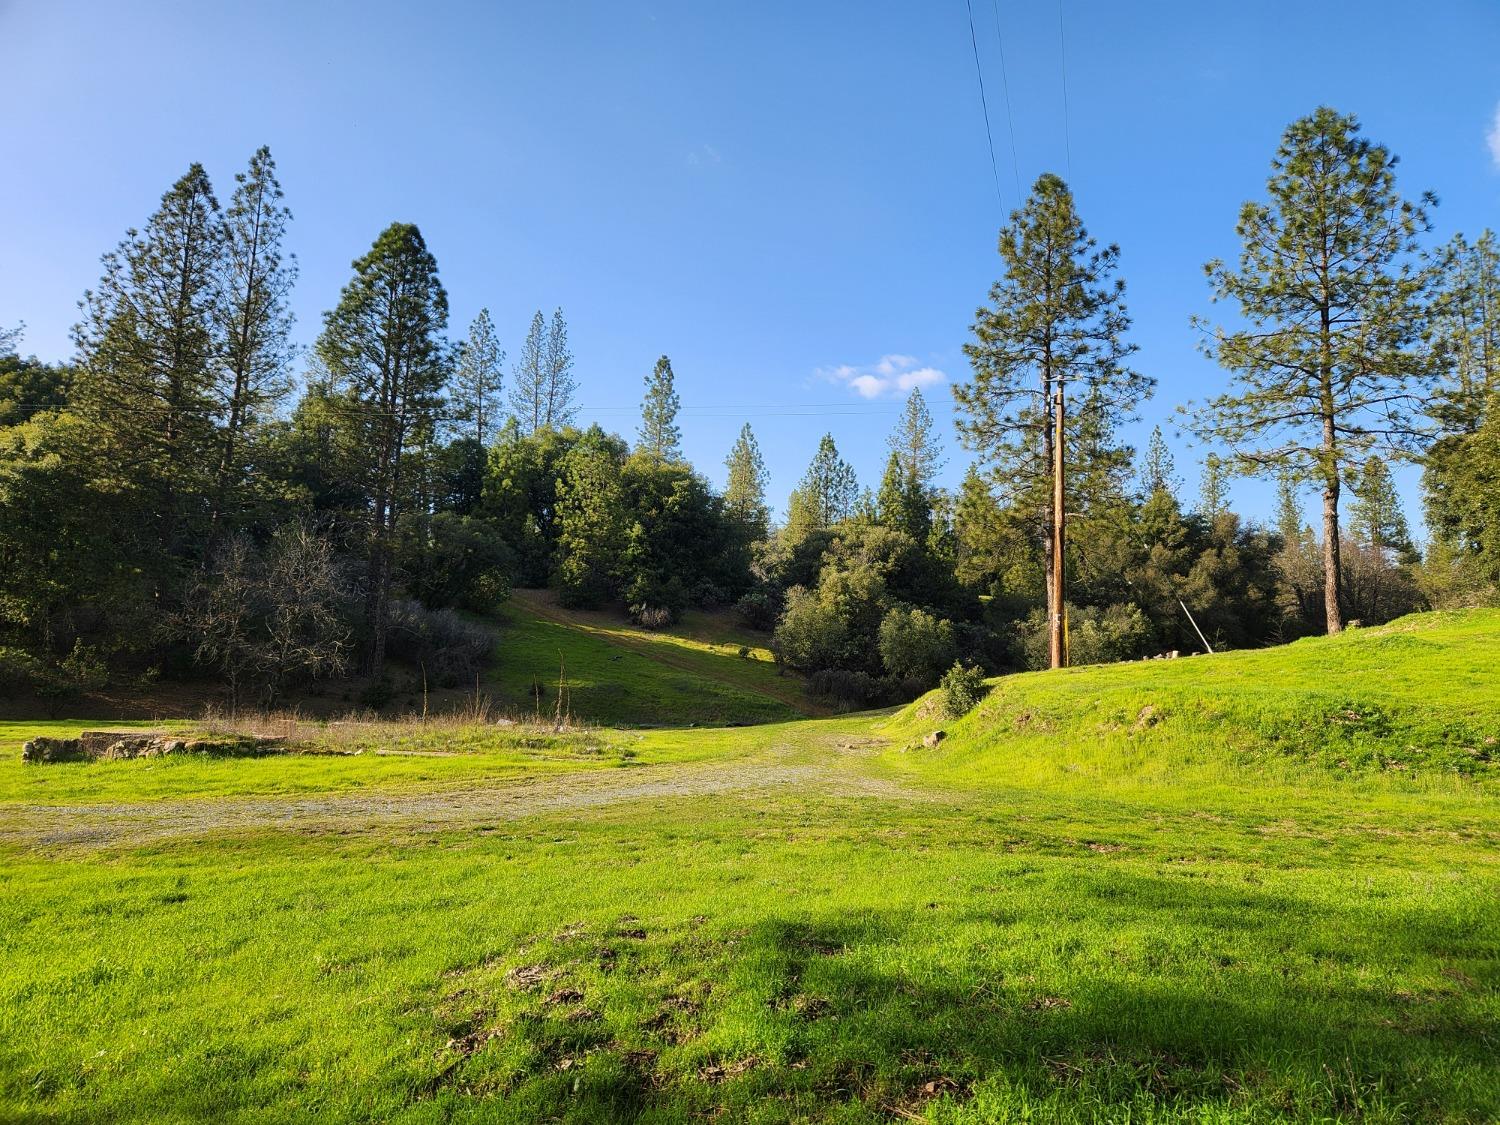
{"points": [[660, 436], [827, 492], [902, 503], [1466, 329], [1376, 520], [382, 348], [255, 283], [557, 365], [528, 392], [1213, 491], [1300, 593], [1331, 365], [477, 379], [151, 347], [1056, 324], [914, 442], [1159, 471], [745, 489]]}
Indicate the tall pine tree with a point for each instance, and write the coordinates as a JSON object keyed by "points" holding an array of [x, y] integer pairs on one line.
{"points": [[557, 364], [382, 348], [477, 378], [256, 280], [528, 392], [660, 436], [745, 489], [151, 347], [1331, 365], [826, 494]]}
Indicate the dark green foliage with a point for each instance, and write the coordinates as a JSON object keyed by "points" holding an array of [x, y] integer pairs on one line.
{"points": [[915, 645], [383, 351], [445, 559], [963, 687], [745, 489]]}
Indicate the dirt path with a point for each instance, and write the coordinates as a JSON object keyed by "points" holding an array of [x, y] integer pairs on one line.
{"points": [[49, 827], [790, 692]]}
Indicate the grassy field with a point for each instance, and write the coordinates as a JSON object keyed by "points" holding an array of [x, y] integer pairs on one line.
{"points": [[1250, 888], [619, 675]]}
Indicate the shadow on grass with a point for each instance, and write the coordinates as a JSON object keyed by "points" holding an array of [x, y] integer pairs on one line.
{"points": [[1232, 1005]]}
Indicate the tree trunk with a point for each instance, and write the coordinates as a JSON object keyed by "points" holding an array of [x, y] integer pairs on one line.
{"points": [[1057, 640], [1332, 572]]}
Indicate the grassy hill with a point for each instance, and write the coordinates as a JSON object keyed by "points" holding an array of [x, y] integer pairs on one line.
{"points": [[1417, 700], [616, 674], [1252, 888]]}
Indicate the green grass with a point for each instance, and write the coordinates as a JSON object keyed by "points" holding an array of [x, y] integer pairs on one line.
{"points": [[620, 676], [1232, 910]]}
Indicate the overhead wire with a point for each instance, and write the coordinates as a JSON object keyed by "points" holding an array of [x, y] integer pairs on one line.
{"points": [[1015, 164], [985, 105]]}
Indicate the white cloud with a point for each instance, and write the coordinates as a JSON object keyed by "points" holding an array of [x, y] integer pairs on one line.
{"points": [[891, 375], [1493, 137]]}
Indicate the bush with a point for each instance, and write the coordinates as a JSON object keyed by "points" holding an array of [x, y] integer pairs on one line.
{"points": [[759, 609], [1095, 636], [811, 634], [914, 645], [852, 691], [452, 560], [963, 688], [21, 672], [451, 649]]}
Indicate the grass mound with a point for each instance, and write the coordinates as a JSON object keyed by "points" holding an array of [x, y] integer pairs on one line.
{"points": [[1417, 699]]}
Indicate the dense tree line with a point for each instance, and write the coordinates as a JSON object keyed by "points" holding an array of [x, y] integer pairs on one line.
{"points": [[189, 495]]}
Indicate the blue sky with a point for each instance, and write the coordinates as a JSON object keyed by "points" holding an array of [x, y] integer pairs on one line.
{"points": [[792, 200]]}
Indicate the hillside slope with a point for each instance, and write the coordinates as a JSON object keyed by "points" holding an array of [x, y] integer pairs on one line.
{"points": [[1418, 699], [618, 675]]}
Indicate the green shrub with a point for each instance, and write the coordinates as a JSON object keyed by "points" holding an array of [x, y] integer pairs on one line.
{"points": [[963, 688], [915, 645]]}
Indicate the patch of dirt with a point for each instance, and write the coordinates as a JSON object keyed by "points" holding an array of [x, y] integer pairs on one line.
{"points": [[526, 977], [565, 996], [715, 1073]]}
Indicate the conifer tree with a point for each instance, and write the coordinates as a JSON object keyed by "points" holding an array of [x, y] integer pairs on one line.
{"points": [[1376, 519], [902, 503], [557, 364], [1213, 491], [1159, 471], [255, 281], [1054, 329], [659, 433], [914, 442], [477, 378], [1466, 328], [382, 348], [1331, 365], [745, 489], [151, 347], [827, 492], [528, 392]]}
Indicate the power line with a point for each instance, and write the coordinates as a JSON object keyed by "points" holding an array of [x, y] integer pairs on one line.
{"points": [[1062, 43], [1015, 165], [985, 105]]}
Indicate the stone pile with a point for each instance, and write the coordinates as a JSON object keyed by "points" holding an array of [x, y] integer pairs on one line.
{"points": [[113, 745]]}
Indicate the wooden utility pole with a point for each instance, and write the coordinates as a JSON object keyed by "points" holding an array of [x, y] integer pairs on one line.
{"points": [[1058, 644]]}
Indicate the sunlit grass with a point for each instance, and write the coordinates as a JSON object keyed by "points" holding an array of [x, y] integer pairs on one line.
{"points": [[1232, 909]]}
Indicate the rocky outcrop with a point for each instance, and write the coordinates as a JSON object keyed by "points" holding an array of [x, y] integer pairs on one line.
{"points": [[105, 745]]}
